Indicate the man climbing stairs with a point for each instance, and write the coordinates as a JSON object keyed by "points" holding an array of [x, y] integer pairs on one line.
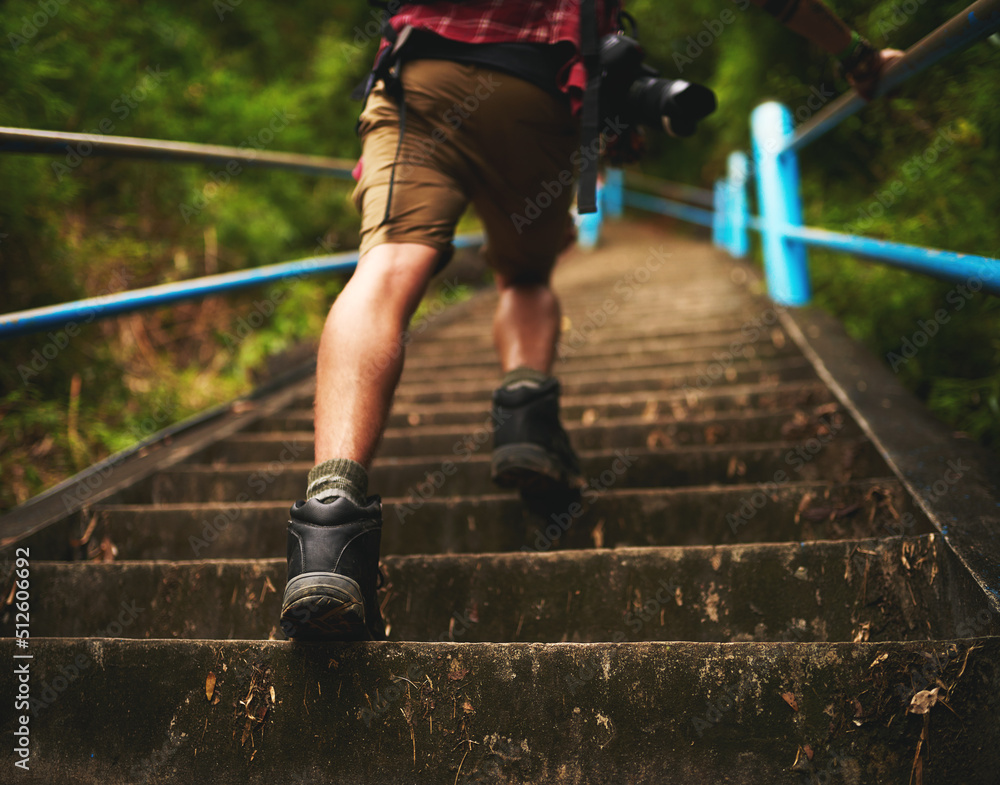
{"points": [[747, 590]]}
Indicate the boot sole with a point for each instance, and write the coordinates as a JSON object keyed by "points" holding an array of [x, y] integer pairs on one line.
{"points": [[531, 469], [324, 606]]}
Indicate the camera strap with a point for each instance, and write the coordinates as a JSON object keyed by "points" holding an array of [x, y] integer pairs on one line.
{"points": [[586, 196], [388, 70]]}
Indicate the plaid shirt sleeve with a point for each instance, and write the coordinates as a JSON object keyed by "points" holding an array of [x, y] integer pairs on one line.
{"points": [[521, 21]]}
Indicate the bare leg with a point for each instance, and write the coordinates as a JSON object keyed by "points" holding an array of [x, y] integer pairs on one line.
{"points": [[526, 325], [361, 352], [531, 451]]}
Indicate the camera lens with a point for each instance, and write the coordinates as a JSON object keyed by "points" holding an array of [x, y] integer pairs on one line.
{"points": [[673, 103]]}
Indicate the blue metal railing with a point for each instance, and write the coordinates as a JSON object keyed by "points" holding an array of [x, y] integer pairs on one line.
{"points": [[775, 167], [725, 210], [74, 314], [82, 312]]}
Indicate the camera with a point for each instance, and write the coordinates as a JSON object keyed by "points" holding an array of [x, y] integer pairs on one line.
{"points": [[634, 91]]}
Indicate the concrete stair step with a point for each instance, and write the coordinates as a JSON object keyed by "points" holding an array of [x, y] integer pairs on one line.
{"points": [[603, 517], [823, 425], [588, 373], [902, 588], [680, 404], [479, 339], [715, 361], [792, 369], [746, 713], [577, 348], [723, 300], [840, 459], [638, 325]]}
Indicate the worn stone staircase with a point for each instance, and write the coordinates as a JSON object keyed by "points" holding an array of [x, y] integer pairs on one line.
{"points": [[750, 589]]}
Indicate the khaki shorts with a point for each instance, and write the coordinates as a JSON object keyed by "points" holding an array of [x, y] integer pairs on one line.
{"points": [[472, 135]]}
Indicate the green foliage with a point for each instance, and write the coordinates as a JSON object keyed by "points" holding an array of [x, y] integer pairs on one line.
{"points": [[918, 169], [79, 225], [279, 77]]}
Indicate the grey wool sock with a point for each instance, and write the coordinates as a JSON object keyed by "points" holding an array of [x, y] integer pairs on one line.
{"points": [[524, 377], [338, 477]]}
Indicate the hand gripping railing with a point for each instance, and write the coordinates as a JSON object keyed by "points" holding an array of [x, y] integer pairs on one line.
{"points": [[775, 165], [74, 314]]}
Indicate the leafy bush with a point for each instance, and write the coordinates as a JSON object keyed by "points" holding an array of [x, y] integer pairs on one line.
{"points": [[80, 225]]}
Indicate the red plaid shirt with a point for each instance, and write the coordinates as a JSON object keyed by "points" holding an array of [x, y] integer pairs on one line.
{"points": [[521, 21]]}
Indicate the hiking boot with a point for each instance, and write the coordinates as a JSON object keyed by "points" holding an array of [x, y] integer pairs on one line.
{"points": [[333, 571], [531, 451]]}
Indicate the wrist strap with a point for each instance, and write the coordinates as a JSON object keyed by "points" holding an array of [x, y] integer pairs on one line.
{"points": [[853, 44], [861, 59]]}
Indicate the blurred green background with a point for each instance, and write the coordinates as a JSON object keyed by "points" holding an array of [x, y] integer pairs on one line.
{"points": [[221, 72]]}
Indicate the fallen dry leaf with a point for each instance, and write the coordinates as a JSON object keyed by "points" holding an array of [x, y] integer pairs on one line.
{"points": [[881, 658], [922, 702], [804, 503], [790, 700], [657, 438], [456, 672], [210, 686]]}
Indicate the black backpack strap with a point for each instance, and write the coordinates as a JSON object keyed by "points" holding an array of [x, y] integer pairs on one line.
{"points": [[387, 60], [388, 68], [586, 197]]}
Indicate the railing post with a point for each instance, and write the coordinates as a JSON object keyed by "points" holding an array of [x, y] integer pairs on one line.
{"points": [[720, 216], [588, 225], [614, 192], [785, 262], [738, 239]]}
